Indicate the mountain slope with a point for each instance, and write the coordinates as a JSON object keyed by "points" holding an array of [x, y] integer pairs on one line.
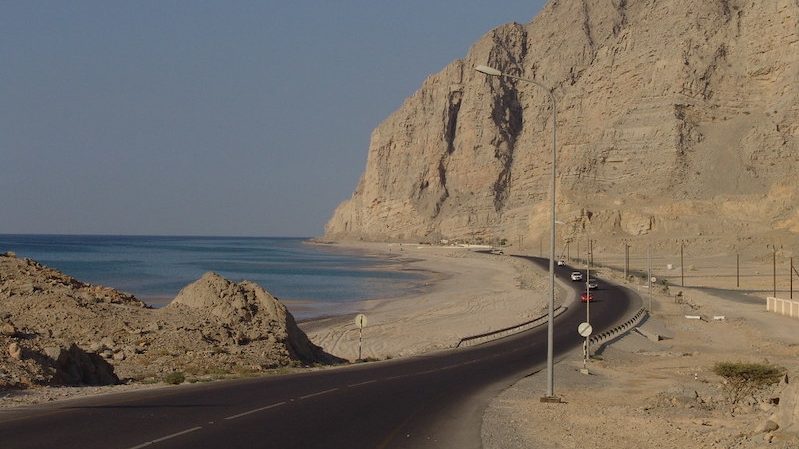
{"points": [[675, 118]]}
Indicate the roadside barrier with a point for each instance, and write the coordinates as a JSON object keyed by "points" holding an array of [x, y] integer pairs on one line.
{"points": [[785, 307], [475, 340], [599, 339]]}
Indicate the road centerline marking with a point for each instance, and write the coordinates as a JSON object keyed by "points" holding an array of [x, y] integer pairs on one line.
{"points": [[256, 410], [318, 394], [362, 383], [158, 440]]}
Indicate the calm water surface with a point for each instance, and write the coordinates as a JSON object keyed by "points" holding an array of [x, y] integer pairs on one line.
{"points": [[312, 279]]}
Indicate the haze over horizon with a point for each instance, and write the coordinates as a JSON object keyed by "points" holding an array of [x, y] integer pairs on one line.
{"points": [[208, 118]]}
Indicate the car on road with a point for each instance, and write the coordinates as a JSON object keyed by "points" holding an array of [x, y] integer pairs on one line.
{"points": [[561, 262], [586, 297], [577, 276], [592, 283]]}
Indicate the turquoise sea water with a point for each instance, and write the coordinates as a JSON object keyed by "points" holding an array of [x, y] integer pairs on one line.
{"points": [[312, 279]]}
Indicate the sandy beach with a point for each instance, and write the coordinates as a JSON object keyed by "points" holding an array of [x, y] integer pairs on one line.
{"points": [[469, 293]]}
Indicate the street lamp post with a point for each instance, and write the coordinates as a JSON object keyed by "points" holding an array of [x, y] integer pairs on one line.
{"points": [[490, 71]]}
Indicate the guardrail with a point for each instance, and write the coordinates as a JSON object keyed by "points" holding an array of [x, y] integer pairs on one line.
{"points": [[508, 331], [602, 338], [782, 306]]}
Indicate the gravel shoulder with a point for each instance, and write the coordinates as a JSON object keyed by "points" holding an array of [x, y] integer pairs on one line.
{"points": [[647, 393]]}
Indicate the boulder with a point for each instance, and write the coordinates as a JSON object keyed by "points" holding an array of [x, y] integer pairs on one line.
{"points": [[787, 416], [74, 366], [15, 351], [8, 330]]}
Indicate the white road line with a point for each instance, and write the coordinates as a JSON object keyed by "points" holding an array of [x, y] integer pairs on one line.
{"points": [[362, 383], [318, 394], [397, 377], [177, 434], [255, 410]]}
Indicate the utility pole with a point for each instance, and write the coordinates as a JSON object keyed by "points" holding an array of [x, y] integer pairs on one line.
{"points": [[791, 272], [682, 265], [626, 259], [737, 270], [649, 274], [774, 269]]}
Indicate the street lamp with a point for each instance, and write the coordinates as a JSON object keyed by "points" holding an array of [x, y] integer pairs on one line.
{"points": [[490, 71]]}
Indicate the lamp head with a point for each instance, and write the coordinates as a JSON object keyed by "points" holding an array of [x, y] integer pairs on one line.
{"points": [[490, 71]]}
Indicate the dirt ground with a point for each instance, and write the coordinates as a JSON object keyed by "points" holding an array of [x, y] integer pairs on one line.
{"points": [[645, 392]]}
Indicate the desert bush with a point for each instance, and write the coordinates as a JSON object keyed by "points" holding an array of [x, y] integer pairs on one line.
{"points": [[745, 379], [175, 378]]}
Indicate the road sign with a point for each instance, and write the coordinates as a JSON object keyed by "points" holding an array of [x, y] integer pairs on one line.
{"points": [[360, 320], [584, 329]]}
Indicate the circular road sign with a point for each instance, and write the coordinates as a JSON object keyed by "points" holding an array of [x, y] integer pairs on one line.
{"points": [[584, 329], [360, 320]]}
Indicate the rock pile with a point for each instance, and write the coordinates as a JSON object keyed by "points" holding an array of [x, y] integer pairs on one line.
{"points": [[245, 314], [56, 330]]}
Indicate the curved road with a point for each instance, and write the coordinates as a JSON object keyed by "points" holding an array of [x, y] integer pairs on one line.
{"points": [[431, 401]]}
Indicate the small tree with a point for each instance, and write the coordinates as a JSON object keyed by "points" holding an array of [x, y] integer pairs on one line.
{"points": [[745, 379]]}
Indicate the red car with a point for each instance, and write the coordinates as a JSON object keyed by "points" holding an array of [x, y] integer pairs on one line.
{"points": [[586, 297]]}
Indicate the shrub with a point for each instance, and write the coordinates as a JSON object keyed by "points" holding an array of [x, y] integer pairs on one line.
{"points": [[175, 378], [745, 379]]}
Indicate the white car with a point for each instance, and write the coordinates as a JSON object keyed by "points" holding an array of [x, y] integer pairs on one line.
{"points": [[561, 263], [577, 276], [592, 283]]}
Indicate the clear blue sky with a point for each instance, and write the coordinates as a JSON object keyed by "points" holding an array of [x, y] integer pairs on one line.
{"points": [[211, 118]]}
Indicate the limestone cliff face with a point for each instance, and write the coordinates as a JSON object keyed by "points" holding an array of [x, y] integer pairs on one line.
{"points": [[674, 116]]}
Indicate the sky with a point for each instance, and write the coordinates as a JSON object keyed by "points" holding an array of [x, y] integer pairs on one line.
{"points": [[237, 118]]}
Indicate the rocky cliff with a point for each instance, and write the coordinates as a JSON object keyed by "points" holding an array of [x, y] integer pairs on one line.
{"points": [[676, 118]]}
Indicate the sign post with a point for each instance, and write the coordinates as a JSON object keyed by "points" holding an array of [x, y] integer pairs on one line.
{"points": [[585, 330], [360, 321]]}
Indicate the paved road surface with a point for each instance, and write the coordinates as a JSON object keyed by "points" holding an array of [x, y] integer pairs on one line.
{"points": [[430, 401]]}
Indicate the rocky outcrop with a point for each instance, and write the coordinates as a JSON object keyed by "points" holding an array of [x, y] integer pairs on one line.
{"points": [[247, 315], [56, 330], [674, 118], [74, 366]]}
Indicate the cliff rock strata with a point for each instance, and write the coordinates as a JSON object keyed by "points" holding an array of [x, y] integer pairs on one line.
{"points": [[680, 114]]}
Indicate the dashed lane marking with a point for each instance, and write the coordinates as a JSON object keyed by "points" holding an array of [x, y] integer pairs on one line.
{"points": [[318, 394], [176, 434], [362, 383], [256, 410]]}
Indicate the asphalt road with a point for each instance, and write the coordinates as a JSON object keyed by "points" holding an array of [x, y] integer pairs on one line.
{"points": [[431, 401]]}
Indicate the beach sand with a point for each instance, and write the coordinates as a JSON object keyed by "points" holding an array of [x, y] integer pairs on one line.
{"points": [[469, 293]]}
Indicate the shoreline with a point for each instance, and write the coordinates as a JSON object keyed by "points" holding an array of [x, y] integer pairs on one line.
{"points": [[463, 293], [468, 293]]}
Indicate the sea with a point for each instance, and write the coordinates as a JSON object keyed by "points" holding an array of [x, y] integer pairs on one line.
{"points": [[313, 280]]}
